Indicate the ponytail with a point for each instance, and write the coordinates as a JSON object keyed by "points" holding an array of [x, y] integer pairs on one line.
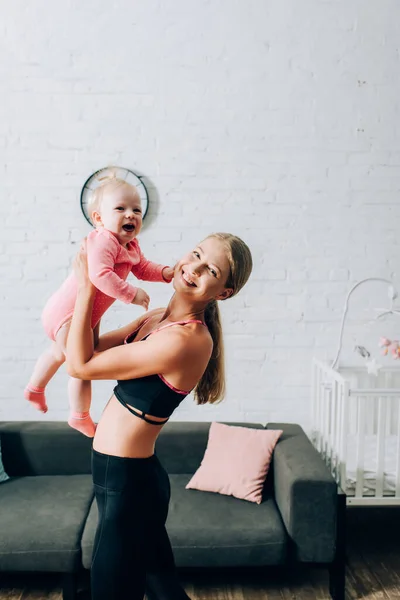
{"points": [[211, 387]]}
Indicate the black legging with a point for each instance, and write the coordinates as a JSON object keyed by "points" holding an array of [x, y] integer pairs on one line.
{"points": [[132, 553]]}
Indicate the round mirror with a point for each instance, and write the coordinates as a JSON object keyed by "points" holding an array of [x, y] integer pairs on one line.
{"points": [[121, 173]]}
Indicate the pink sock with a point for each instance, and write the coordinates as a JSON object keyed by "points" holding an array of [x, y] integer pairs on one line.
{"points": [[82, 421], [36, 397]]}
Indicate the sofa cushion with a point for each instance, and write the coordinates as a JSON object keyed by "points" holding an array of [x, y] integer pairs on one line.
{"points": [[208, 529], [41, 520]]}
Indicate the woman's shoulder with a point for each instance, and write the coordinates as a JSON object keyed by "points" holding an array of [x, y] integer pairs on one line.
{"points": [[189, 340]]}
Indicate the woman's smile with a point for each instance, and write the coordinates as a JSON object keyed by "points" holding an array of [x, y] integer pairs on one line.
{"points": [[188, 279]]}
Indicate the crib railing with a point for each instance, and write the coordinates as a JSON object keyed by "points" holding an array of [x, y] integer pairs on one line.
{"points": [[351, 408]]}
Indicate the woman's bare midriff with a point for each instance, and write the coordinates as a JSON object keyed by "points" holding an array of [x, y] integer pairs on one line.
{"points": [[120, 433]]}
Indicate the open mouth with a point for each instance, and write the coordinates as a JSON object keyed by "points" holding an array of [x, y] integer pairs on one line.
{"points": [[129, 228], [188, 280]]}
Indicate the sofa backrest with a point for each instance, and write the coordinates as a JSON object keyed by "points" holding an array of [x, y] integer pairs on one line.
{"points": [[44, 448], [53, 448], [181, 444]]}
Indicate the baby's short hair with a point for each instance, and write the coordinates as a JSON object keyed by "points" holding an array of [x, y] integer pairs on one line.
{"points": [[105, 182]]}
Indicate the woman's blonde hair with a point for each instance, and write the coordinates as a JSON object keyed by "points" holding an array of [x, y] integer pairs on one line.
{"points": [[211, 387], [107, 182]]}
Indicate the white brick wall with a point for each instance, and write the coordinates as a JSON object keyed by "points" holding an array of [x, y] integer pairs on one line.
{"points": [[278, 121]]}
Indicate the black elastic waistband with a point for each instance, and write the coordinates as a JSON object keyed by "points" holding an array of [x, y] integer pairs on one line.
{"points": [[103, 456], [120, 472]]}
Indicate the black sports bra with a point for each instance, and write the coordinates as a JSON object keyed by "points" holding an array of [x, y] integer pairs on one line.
{"points": [[150, 395]]}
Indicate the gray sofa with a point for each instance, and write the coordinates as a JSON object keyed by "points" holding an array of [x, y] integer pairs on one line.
{"points": [[48, 514]]}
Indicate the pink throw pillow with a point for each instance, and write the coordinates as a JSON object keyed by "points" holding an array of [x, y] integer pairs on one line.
{"points": [[236, 461]]}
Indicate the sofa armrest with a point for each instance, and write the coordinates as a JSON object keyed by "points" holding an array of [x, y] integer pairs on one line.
{"points": [[44, 448], [306, 495]]}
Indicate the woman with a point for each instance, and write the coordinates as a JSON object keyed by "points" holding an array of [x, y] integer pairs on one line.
{"points": [[181, 351]]}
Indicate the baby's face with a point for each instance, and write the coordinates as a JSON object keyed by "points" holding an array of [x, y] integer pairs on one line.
{"points": [[121, 213]]}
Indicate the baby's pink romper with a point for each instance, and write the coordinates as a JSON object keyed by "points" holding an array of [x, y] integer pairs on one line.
{"points": [[109, 264]]}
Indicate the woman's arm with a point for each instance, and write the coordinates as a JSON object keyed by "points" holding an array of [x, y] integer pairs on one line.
{"points": [[80, 336], [166, 352]]}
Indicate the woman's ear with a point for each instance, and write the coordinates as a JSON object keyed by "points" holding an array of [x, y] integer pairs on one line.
{"points": [[227, 293]]}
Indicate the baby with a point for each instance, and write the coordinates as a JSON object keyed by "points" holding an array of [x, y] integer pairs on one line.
{"points": [[113, 252]]}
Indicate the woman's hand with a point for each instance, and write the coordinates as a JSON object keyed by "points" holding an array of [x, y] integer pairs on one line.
{"points": [[81, 268]]}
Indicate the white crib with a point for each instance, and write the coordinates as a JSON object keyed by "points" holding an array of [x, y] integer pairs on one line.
{"points": [[356, 428]]}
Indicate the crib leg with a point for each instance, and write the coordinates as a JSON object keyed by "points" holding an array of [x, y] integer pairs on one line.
{"points": [[337, 570]]}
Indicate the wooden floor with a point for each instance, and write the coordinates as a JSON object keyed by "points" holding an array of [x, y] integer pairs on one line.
{"points": [[373, 571]]}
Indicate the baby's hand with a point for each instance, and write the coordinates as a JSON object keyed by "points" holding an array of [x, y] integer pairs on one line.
{"points": [[141, 299], [168, 273]]}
